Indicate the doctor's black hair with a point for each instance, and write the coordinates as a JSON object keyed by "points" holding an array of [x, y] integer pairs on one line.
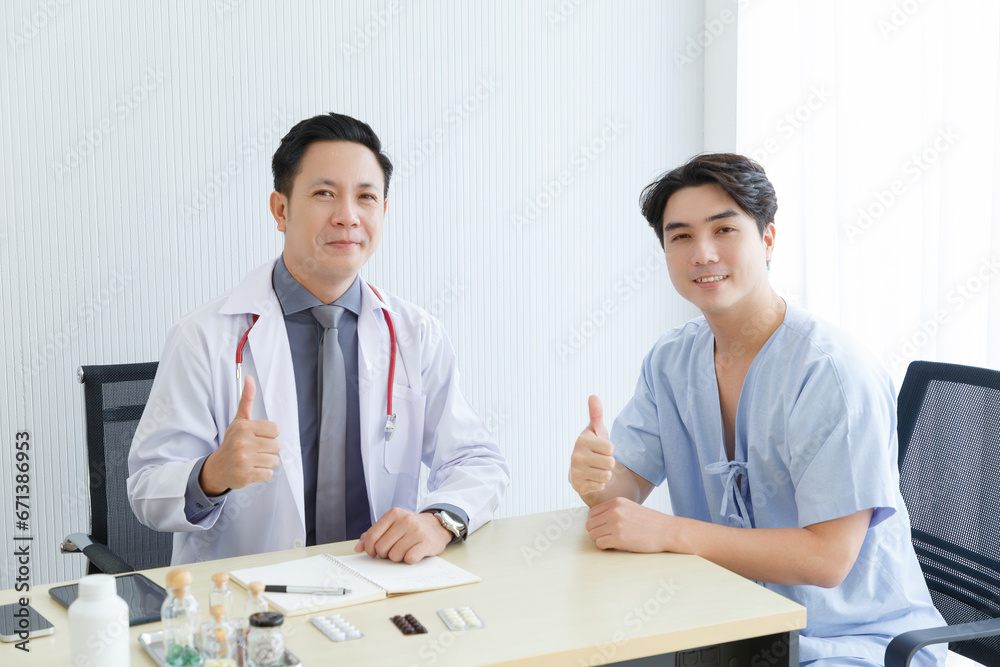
{"points": [[742, 178], [325, 127]]}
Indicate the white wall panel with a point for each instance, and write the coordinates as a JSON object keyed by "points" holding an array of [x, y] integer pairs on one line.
{"points": [[137, 140]]}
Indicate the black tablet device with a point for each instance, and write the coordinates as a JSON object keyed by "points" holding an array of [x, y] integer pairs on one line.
{"points": [[144, 598], [18, 623]]}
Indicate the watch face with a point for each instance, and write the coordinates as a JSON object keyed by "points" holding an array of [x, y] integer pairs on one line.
{"points": [[450, 522]]}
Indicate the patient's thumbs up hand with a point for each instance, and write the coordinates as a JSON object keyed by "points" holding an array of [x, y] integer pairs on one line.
{"points": [[597, 418], [592, 463]]}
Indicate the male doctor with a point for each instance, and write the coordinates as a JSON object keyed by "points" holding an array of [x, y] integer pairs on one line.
{"points": [[269, 464]]}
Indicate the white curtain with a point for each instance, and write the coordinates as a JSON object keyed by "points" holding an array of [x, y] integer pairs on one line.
{"points": [[877, 123]]}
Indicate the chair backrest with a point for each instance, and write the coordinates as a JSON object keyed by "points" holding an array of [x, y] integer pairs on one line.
{"points": [[115, 397], [949, 468]]}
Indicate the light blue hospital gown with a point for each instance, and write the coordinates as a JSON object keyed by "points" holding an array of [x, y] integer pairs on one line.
{"points": [[815, 440]]}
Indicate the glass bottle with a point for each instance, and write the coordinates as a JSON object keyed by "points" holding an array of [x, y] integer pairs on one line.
{"points": [[265, 643], [181, 617], [220, 640], [254, 603], [220, 593]]}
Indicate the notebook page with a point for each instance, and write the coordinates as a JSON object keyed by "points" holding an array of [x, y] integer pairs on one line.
{"points": [[322, 571], [426, 575]]}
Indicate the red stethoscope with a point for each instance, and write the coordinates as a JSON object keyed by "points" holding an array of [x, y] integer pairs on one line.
{"points": [[390, 418]]}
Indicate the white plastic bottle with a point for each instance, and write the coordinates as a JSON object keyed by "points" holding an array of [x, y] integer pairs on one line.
{"points": [[98, 624]]}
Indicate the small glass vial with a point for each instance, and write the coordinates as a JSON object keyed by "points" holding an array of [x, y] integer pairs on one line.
{"points": [[253, 604], [181, 622], [265, 643], [220, 593], [220, 640], [256, 602]]}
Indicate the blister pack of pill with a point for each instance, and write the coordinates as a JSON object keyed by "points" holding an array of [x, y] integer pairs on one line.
{"points": [[409, 625], [460, 618], [336, 628]]}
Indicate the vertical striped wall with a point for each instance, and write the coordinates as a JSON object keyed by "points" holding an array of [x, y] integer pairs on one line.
{"points": [[136, 159]]}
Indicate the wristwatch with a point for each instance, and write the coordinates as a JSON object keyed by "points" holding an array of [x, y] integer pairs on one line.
{"points": [[451, 523]]}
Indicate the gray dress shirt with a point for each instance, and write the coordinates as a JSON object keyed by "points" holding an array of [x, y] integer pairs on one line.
{"points": [[304, 334]]}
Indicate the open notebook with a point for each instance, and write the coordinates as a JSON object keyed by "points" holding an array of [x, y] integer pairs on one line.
{"points": [[367, 579]]}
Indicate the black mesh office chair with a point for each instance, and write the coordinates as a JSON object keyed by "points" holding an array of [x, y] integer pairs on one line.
{"points": [[949, 467], [115, 397]]}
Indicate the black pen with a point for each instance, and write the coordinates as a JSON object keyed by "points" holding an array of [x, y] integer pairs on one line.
{"points": [[306, 590]]}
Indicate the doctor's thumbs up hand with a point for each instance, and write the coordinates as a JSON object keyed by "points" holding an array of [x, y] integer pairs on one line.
{"points": [[248, 453], [592, 463]]}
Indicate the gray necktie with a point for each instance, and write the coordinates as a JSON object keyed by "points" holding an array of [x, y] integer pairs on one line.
{"points": [[331, 518]]}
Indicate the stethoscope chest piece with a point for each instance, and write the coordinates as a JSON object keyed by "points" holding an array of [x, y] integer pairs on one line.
{"points": [[390, 427]]}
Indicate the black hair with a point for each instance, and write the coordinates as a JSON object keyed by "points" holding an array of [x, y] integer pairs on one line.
{"points": [[743, 179], [326, 127]]}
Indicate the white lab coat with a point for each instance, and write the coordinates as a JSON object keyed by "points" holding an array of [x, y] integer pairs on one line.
{"points": [[194, 398]]}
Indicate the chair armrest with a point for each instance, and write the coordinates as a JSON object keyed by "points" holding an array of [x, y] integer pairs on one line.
{"points": [[103, 558], [901, 649]]}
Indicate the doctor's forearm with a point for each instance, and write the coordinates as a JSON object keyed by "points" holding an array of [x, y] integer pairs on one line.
{"points": [[208, 479], [476, 488]]}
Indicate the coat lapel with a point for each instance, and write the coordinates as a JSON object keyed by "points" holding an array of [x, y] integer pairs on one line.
{"points": [[268, 358]]}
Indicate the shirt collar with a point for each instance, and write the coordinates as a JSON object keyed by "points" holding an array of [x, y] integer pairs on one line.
{"points": [[295, 298]]}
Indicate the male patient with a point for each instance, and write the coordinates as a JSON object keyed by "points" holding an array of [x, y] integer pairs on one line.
{"points": [[303, 451], [774, 431]]}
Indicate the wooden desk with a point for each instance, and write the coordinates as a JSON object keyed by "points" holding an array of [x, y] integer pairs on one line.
{"points": [[548, 597]]}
